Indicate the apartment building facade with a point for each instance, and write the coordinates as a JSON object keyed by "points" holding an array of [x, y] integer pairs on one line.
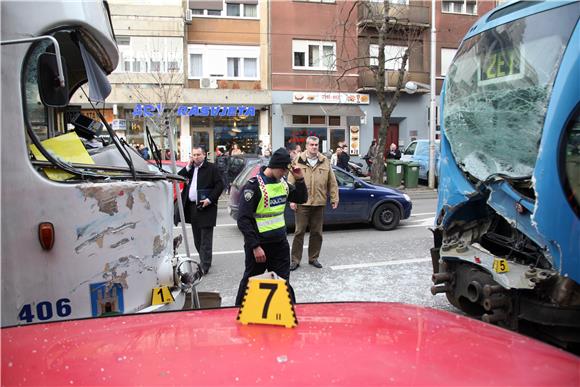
{"points": [[313, 84], [205, 63], [227, 56], [244, 71], [150, 39], [408, 27], [337, 99], [315, 60]]}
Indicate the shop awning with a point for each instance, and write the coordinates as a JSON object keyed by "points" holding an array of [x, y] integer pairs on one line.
{"points": [[321, 110], [343, 110]]}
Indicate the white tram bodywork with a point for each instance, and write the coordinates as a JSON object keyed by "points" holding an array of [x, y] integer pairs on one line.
{"points": [[112, 229]]}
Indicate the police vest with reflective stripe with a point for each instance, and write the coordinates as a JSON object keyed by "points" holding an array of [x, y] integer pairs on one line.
{"points": [[270, 211]]}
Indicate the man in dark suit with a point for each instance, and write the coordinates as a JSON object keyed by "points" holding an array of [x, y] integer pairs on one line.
{"points": [[200, 197]]}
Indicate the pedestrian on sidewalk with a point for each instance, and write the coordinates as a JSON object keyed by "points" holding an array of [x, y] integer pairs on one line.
{"points": [[261, 219], [342, 158], [200, 197], [294, 150], [394, 153], [222, 162], [321, 183], [370, 156]]}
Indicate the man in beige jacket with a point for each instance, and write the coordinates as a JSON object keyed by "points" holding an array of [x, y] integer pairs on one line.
{"points": [[321, 183]]}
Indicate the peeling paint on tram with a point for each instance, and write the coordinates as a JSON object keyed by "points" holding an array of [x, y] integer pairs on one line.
{"points": [[99, 237], [160, 242], [107, 196]]}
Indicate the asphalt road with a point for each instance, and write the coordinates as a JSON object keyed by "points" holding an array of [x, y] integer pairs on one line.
{"points": [[360, 262]]}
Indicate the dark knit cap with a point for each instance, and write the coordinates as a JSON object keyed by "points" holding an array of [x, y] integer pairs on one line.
{"points": [[280, 159]]}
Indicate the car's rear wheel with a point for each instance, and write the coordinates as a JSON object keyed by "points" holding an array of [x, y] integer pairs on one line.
{"points": [[386, 217]]}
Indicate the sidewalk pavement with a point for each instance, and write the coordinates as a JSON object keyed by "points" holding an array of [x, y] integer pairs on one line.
{"points": [[421, 192]]}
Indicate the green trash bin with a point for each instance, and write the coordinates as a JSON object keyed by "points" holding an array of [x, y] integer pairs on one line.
{"points": [[395, 171], [411, 175]]}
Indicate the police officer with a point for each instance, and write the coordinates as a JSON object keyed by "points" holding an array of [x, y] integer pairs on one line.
{"points": [[261, 219]]}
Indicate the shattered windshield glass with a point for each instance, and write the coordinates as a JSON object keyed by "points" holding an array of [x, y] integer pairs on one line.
{"points": [[498, 90]]}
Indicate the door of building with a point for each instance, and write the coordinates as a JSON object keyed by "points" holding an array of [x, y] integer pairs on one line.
{"points": [[336, 136], [203, 137], [392, 135]]}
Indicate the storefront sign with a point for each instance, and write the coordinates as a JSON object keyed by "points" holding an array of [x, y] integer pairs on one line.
{"points": [[298, 135], [149, 110], [337, 98], [107, 113], [354, 140]]}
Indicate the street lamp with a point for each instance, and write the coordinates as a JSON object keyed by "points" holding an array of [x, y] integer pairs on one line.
{"points": [[433, 104], [411, 87]]}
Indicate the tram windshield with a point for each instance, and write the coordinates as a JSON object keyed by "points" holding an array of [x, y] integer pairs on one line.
{"points": [[497, 93]]}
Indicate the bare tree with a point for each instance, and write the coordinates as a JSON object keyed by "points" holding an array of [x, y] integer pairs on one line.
{"points": [[387, 24], [163, 89], [158, 80]]}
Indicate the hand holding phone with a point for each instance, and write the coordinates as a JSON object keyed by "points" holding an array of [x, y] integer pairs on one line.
{"points": [[297, 172]]}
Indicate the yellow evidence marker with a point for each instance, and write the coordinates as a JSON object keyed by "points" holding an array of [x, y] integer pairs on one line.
{"points": [[161, 295], [267, 301], [500, 265]]}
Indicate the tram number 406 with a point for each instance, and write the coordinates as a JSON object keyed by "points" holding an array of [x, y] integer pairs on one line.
{"points": [[45, 310]]}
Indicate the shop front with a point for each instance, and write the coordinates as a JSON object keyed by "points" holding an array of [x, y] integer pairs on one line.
{"points": [[233, 120], [133, 128], [332, 117], [224, 131], [209, 126]]}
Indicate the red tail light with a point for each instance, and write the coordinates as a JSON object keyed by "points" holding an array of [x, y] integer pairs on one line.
{"points": [[46, 235]]}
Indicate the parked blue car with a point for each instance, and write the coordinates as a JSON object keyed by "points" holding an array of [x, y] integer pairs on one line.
{"points": [[418, 152], [360, 202]]}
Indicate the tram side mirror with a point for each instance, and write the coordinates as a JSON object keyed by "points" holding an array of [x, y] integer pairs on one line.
{"points": [[52, 94]]}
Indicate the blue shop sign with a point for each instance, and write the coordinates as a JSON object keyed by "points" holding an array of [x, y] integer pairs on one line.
{"points": [[149, 110]]}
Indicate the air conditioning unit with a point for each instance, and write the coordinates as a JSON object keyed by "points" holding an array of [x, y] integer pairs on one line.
{"points": [[188, 16], [208, 83]]}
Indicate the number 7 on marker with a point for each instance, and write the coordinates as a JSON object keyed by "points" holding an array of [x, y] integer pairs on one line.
{"points": [[272, 288]]}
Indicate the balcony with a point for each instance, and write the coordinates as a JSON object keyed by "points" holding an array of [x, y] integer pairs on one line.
{"points": [[367, 81], [370, 14]]}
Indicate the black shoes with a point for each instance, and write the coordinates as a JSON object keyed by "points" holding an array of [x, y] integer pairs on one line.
{"points": [[314, 263]]}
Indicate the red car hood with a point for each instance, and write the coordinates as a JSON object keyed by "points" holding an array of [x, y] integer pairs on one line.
{"points": [[339, 343]]}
